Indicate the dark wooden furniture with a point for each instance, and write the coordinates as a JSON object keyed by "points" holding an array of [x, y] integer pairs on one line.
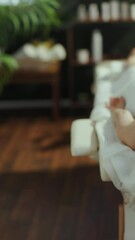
{"points": [[32, 70], [117, 42]]}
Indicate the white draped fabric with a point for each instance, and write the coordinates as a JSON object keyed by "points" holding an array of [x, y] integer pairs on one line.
{"points": [[117, 161]]}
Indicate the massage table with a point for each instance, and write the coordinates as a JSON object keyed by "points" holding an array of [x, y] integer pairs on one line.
{"points": [[96, 137]]}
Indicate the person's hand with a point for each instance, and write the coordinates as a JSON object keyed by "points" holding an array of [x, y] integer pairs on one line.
{"points": [[116, 102]]}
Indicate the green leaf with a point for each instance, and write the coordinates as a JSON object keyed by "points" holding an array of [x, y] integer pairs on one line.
{"points": [[7, 66], [8, 62]]}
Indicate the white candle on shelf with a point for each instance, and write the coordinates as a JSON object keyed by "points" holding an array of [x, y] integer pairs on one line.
{"points": [[97, 46], [105, 11], [81, 12], [82, 56], [93, 12], [132, 11], [115, 10], [124, 10]]}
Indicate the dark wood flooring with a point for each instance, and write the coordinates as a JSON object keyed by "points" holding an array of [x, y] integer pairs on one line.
{"points": [[45, 194]]}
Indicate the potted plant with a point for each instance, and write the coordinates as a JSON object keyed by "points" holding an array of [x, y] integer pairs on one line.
{"points": [[21, 23]]}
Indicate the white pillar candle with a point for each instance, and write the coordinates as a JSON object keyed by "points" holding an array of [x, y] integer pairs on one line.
{"points": [[105, 11], [93, 12], [132, 11], [97, 46], [81, 12], [124, 10], [115, 10]]}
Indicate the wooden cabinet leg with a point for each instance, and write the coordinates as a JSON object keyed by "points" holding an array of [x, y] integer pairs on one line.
{"points": [[121, 222], [56, 99]]}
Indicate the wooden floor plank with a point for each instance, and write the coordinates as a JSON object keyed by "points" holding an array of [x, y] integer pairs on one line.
{"points": [[37, 144], [45, 193]]}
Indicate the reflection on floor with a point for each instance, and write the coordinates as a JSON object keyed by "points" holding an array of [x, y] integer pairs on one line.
{"points": [[37, 144]]}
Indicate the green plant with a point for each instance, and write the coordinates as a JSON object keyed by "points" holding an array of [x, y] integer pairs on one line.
{"points": [[21, 23], [7, 66], [26, 19]]}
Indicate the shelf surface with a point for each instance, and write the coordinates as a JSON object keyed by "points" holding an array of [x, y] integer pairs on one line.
{"points": [[75, 63], [88, 21], [83, 104]]}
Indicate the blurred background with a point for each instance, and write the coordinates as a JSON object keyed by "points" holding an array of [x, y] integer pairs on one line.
{"points": [[48, 51]]}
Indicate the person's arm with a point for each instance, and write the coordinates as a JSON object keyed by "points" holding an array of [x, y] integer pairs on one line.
{"points": [[122, 117]]}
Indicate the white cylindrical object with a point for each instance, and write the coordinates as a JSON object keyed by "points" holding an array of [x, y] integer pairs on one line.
{"points": [[132, 11], [83, 138], [124, 10], [97, 46], [115, 10], [93, 12], [81, 12], [82, 56], [105, 11]]}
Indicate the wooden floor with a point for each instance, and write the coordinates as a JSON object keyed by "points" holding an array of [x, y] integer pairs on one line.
{"points": [[45, 194]]}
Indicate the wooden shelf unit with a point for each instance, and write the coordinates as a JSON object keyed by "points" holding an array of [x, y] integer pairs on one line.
{"points": [[74, 65]]}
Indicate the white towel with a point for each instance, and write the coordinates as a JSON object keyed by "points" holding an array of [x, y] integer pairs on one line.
{"points": [[103, 93], [117, 161], [83, 138]]}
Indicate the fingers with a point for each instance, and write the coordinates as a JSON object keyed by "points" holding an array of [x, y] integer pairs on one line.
{"points": [[116, 102]]}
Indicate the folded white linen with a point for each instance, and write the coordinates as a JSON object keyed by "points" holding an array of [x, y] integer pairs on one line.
{"points": [[41, 52], [83, 138], [103, 93], [99, 113]]}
